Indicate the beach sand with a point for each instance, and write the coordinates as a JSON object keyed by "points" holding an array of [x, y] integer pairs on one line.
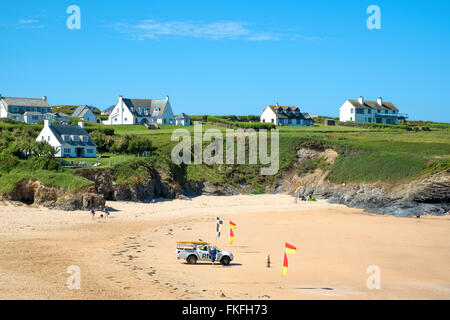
{"points": [[131, 255]]}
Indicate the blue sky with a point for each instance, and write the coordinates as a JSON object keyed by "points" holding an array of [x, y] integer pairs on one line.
{"points": [[230, 57]]}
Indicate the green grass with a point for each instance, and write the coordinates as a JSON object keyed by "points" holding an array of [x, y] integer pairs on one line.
{"points": [[64, 180], [369, 155]]}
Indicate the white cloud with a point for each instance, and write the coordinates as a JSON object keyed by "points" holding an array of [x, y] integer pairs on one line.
{"points": [[232, 30]]}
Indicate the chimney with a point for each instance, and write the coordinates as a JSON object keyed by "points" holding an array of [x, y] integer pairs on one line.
{"points": [[0, 95], [81, 124], [46, 123], [44, 98], [361, 100], [167, 97], [380, 101]]}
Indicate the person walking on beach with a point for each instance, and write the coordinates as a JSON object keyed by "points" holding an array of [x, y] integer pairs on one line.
{"points": [[106, 211], [93, 213], [213, 253]]}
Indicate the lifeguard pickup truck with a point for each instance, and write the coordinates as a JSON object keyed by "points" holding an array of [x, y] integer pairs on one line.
{"points": [[193, 251]]}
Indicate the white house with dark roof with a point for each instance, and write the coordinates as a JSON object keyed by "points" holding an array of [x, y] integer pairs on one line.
{"points": [[183, 120], [69, 140], [85, 113], [26, 110], [286, 116], [363, 111], [141, 111]]}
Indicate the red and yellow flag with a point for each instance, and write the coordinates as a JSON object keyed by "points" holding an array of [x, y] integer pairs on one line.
{"points": [[232, 225], [285, 265], [231, 236], [288, 248]]}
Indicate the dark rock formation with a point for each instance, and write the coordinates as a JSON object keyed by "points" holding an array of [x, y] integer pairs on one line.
{"points": [[31, 191]]}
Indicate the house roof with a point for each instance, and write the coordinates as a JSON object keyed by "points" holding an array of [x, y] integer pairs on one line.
{"points": [[108, 111], [155, 107], [285, 114], [373, 105], [182, 116], [63, 129], [307, 116], [25, 102], [81, 111]]}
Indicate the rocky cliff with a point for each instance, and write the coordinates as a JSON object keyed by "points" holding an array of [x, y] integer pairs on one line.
{"points": [[30, 191], [429, 195]]}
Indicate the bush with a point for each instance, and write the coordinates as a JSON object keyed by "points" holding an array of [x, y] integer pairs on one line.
{"points": [[8, 162], [131, 144]]}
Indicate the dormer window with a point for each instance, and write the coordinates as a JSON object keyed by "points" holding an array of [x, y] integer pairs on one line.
{"points": [[85, 138], [75, 138], [280, 111], [288, 111], [297, 111], [66, 138]]}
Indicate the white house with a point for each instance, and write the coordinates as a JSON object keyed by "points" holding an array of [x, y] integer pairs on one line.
{"points": [[141, 111], [363, 111], [24, 109], [85, 113], [286, 116], [183, 120], [69, 140]]}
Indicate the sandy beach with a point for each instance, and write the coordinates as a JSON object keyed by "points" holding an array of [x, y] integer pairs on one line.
{"points": [[131, 255]]}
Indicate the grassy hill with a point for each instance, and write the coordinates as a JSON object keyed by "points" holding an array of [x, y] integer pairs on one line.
{"points": [[367, 154]]}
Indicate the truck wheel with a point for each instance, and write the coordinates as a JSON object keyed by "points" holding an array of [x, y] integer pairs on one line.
{"points": [[192, 259], [225, 261]]}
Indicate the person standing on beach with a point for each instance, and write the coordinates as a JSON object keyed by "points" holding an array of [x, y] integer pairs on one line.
{"points": [[213, 253], [93, 213], [106, 211]]}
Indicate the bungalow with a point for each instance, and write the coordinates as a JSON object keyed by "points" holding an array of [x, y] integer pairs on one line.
{"points": [[24, 109], [361, 111], [286, 116], [85, 113], [69, 140], [141, 111], [183, 120]]}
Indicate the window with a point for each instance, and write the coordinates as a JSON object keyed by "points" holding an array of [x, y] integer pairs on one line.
{"points": [[264, 120], [67, 150], [85, 138], [351, 118], [370, 120], [35, 117], [43, 138], [289, 121], [272, 120], [126, 119], [90, 150], [75, 138], [298, 121], [369, 111], [360, 111], [48, 138], [115, 119], [351, 111], [385, 111]]}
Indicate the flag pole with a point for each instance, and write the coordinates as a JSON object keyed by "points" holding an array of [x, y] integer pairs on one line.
{"points": [[282, 262]]}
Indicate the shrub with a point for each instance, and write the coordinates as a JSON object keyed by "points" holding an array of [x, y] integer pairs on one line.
{"points": [[8, 162]]}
